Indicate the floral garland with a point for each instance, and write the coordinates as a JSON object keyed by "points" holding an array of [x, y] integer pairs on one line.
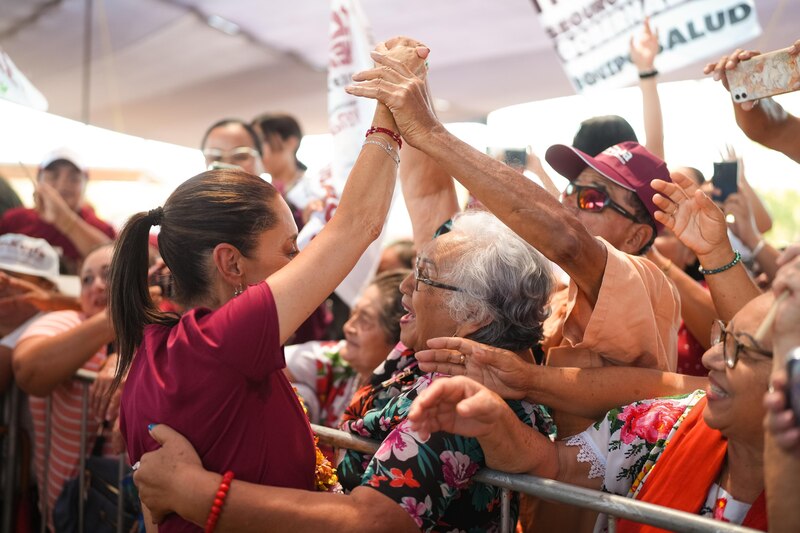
{"points": [[325, 478]]}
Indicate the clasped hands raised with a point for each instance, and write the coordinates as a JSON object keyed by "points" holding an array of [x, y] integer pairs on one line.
{"points": [[399, 82]]}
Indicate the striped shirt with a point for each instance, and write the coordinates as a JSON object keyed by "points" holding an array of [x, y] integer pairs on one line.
{"points": [[64, 451]]}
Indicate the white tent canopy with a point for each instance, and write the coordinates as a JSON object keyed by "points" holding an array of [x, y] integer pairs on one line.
{"points": [[160, 71]]}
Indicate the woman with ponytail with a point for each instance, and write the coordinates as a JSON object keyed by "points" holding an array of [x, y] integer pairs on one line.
{"points": [[215, 373]]}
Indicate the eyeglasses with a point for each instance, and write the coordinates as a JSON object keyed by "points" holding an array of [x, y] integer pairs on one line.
{"points": [[241, 155], [731, 345], [595, 199], [420, 278]]}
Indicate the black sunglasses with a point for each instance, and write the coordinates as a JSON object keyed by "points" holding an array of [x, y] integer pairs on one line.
{"points": [[595, 199]]}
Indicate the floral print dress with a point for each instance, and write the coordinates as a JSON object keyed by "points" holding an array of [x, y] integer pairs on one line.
{"points": [[624, 446], [430, 479]]}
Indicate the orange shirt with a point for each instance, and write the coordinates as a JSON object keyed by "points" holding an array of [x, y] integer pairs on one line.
{"points": [[633, 323]]}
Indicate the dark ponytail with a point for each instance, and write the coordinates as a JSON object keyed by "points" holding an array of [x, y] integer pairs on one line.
{"points": [[130, 305], [217, 206]]}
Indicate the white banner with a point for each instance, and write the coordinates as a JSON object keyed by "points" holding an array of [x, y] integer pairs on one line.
{"points": [[592, 36], [349, 118], [14, 86]]}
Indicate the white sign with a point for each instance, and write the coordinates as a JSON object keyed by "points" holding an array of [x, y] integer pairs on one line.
{"points": [[14, 86], [349, 118], [592, 36]]}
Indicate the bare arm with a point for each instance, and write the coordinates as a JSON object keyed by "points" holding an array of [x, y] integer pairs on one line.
{"points": [[43, 363], [526, 208], [465, 407], [580, 391], [700, 225], [745, 227], [770, 125], [53, 209], [763, 121], [534, 164], [173, 479], [644, 48], [697, 307], [429, 194]]}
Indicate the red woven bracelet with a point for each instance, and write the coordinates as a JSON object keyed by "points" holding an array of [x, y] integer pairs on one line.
{"points": [[219, 501], [390, 133]]}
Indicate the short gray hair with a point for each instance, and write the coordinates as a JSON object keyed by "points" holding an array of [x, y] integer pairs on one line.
{"points": [[503, 279]]}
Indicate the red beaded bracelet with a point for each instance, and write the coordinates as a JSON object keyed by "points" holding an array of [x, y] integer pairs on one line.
{"points": [[394, 135], [219, 501]]}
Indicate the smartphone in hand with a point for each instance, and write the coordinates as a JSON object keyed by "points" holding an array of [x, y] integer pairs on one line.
{"points": [[764, 75], [725, 180], [514, 158]]}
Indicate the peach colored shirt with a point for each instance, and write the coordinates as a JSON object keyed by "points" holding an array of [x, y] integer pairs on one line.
{"points": [[633, 323]]}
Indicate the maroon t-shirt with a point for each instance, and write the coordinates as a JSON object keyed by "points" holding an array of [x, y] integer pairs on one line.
{"points": [[216, 377], [28, 222]]}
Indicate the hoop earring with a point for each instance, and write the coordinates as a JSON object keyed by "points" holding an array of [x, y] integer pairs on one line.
{"points": [[238, 290]]}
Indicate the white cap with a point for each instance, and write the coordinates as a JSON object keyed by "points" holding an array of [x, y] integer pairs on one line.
{"points": [[28, 255], [63, 154]]}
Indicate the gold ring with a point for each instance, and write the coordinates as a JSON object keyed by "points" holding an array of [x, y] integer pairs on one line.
{"points": [[463, 359]]}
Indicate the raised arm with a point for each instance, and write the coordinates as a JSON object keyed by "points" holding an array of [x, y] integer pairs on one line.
{"points": [[300, 286], [697, 307], [53, 209], [580, 391], [699, 224], [745, 227], [763, 121], [42, 363], [644, 48], [523, 206], [429, 194]]}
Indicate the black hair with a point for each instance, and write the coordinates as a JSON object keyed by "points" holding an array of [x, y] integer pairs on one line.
{"points": [[598, 133], [247, 127], [276, 128]]}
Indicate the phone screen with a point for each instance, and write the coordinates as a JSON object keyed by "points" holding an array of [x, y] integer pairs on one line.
{"points": [[724, 179], [515, 158]]}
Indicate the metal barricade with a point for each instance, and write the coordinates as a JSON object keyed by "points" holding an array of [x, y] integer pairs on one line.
{"points": [[10, 462], [557, 491], [612, 505]]}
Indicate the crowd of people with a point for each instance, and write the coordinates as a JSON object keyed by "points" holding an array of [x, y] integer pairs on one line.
{"points": [[630, 333]]}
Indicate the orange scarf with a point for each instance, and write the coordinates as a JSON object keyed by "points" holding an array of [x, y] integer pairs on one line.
{"points": [[681, 477]]}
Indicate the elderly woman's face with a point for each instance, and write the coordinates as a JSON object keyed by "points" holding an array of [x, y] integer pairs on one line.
{"points": [[735, 395], [428, 316], [366, 339]]}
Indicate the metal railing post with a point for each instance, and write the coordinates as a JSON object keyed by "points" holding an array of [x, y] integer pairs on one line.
{"points": [[120, 494], [44, 489], [505, 511], [10, 468], [82, 456]]}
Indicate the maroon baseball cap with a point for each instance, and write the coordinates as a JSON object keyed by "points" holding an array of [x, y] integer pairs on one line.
{"points": [[630, 165]]}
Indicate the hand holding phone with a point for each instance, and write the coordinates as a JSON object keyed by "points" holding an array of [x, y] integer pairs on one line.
{"points": [[515, 158], [765, 75]]}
